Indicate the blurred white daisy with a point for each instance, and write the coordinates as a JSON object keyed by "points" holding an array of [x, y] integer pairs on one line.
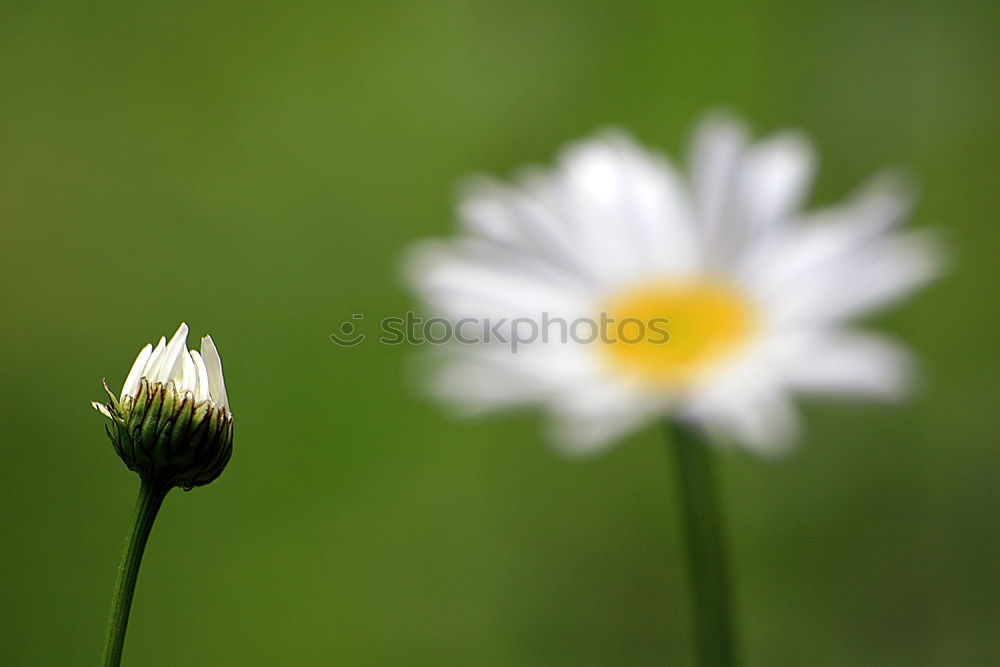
{"points": [[759, 296]]}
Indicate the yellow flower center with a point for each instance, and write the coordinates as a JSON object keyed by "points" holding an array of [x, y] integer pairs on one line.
{"points": [[664, 334]]}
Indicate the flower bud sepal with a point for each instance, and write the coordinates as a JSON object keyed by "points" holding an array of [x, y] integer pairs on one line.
{"points": [[166, 436]]}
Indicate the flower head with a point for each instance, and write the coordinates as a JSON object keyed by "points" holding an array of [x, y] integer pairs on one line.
{"points": [[710, 295], [172, 419]]}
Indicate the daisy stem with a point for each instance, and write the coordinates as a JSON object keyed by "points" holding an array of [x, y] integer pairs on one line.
{"points": [[151, 495], [706, 550]]}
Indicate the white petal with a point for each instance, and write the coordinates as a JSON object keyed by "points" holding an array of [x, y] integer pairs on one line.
{"points": [[631, 203], [776, 175], [486, 378], [155, 360], [202, 390], [508, 217], [745, 191], [188, 380], [587, 410], [760, 418], [831, 236], [609, 212], [717, 150], [877, 205], [870, 277], [172, 366], [850, 363], [473, 388], [590, 432], [132, 379], [590, 419], [213, 365], [462, 280]]}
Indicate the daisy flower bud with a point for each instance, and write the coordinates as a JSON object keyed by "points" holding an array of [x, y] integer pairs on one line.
{"points": [[172, 421], [172, 425]]}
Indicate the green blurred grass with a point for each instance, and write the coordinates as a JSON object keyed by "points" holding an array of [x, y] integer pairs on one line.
{"points": [[256, 170]]}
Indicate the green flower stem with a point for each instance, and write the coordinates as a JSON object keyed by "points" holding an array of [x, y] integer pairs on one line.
{"points": [[151, 495], [706, 549]]}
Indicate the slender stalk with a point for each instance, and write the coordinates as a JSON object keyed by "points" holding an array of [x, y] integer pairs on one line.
{"points": [[706, 549], [151, 495]]}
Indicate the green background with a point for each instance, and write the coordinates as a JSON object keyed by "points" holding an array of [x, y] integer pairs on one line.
{"points": [[257, 170]]}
